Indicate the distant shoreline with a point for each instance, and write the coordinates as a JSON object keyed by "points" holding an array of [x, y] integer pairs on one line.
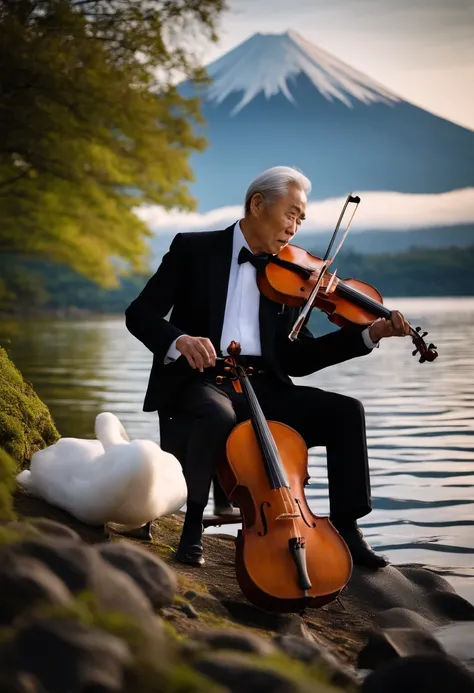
{"points": [[73, 313]]}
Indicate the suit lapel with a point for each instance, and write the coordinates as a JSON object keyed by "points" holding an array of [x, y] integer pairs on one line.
{"points": [[220, 257]]}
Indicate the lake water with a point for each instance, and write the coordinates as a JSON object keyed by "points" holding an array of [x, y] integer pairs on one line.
{"points": [[420, 419]]}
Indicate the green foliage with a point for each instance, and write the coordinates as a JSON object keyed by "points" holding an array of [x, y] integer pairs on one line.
{"points": [[32, 285], [7, 484], [25, 422], [93, 126]]}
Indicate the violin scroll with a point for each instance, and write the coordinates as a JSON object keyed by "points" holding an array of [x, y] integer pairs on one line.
{"points": [[427, 353]]}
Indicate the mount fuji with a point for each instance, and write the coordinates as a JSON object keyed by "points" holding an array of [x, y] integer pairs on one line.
{"points": [[279, 99]]}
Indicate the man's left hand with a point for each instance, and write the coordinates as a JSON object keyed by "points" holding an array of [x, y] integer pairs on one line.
{"points": [[397, 326]]}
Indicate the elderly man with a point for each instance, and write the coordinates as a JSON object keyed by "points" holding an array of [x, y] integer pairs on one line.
{"points": [[209, 283]]}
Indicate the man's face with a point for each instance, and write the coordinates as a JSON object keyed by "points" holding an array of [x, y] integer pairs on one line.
{"points": [[279, 220]]}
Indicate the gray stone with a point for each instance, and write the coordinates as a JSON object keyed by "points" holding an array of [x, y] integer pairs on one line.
{"points": [[54, 529], [20, 682], [169, 614], [70, 656], [236, 640], [189, 610], [26, 582], [310, 651], [204, 602], [403, 618], [239, 675], [150, 573], [407, 587], [24, 529], [418, 674], [190, 594], [393, 643], [296, 626], [81, 568]]}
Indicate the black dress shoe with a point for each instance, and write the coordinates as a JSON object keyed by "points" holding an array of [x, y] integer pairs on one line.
{"points": [[190, 547], [191, 554], [361, 552]]}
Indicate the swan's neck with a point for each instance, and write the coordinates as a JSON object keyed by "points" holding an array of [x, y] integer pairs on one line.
{"points": [[111, 432]]}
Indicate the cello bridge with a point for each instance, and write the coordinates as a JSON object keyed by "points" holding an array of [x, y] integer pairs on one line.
{"points": [[332, 283]]}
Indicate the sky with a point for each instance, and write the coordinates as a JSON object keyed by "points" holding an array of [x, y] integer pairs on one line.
{"points": [[421, 49]]}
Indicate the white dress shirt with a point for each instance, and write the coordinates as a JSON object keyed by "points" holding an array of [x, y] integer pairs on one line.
{"points": [[241, 314]]}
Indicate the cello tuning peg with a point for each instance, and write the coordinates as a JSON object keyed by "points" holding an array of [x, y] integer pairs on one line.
{"points": [[422, 359], [432, 346], [417, 329], [414, 353], [424, 334]]}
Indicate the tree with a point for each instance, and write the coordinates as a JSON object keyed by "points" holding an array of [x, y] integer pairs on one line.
{"points": [[93, 125]]}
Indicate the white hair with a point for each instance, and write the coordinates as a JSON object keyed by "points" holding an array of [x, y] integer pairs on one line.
{"points": [[274, 182]]}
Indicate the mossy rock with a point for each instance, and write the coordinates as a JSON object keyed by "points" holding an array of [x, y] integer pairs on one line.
{"points": [[25, 421], [153, 669], [7, 484]]}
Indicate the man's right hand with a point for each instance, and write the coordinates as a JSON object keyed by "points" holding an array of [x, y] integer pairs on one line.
{"points": [[198, 351]]}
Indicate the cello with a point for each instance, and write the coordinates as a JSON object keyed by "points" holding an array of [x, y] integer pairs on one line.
{"points": [[287, 558]]}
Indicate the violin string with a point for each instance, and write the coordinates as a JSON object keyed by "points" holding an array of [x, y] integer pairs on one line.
{"points": [[374, 306], [363, 301]]}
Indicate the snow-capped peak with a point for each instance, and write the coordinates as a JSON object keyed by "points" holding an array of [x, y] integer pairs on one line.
{"points": [[266, 62]]}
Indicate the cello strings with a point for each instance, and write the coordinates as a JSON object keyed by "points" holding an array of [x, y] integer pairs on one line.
{"points": [[267, 441]]}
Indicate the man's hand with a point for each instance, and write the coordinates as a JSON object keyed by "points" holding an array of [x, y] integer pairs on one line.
{"points": [[397, 326], [198, 351]]}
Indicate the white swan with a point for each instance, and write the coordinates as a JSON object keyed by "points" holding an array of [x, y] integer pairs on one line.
{"points": [[111, 479]]}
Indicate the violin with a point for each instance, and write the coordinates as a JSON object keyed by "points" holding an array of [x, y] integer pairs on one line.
{"points": [[287, 558], [300, 278]]}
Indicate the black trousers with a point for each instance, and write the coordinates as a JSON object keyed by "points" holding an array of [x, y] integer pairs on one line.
{"points": [[206, 414]]}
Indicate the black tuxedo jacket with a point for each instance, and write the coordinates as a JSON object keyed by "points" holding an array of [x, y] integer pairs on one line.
{"points": [[192, 282]]}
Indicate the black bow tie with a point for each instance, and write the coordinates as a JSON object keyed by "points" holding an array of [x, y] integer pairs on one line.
{"points": [[261, 260]]}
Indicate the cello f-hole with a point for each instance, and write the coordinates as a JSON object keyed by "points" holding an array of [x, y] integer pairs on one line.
{"points": [[309, 524], [263, 518]]}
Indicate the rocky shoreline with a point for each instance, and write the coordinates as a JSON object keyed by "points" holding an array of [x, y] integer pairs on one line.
{"points": [[195, 622], [83, 610]]}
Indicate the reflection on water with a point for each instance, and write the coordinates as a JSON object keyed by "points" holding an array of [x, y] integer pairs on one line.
{"points": [[420, 418]]}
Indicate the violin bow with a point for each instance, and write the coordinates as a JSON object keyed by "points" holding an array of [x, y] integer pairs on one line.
{"points": [[327, 262]]}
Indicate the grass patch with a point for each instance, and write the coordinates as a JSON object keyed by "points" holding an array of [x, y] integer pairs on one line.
{"points": [[163, 550], [178, 599], [306, 675], [169, 524], [185, 583]]}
